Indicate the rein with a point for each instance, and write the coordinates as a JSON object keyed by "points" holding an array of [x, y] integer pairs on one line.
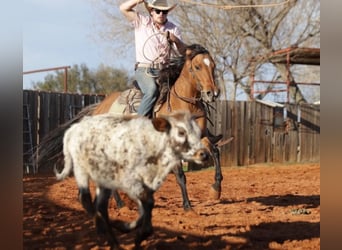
{"points": [[193, 101], [183, 98]]}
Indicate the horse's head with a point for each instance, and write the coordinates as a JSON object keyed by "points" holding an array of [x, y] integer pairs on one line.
{"points": [[202, 67]]}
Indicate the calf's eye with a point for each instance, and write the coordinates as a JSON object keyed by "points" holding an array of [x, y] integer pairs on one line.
{"points": [[181, 133]]}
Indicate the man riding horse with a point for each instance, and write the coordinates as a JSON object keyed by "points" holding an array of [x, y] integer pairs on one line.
{"points": [[155, 35], [156, 40]]}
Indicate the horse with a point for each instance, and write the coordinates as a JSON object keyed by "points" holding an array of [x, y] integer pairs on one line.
{"points": [[192, 87]]}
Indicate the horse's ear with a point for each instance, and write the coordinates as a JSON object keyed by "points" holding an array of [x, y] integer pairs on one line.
{"points": [[161, 124], [188, 53]]}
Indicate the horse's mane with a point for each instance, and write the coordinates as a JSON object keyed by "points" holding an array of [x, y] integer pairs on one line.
{"points": [[196, 49], [171, 73]]}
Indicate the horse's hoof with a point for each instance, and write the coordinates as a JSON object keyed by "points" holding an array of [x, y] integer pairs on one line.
{"points": [[187, 208], [215, 193]]}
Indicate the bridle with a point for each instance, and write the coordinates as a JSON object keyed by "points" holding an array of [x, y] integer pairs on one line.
{"points": [[206, 105], [193, 100]]}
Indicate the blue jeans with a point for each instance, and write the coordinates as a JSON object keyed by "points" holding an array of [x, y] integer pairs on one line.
{"points": [[149, 89]]}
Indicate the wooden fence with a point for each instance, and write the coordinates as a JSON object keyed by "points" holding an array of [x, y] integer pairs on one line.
{"points": [[261, 134], [45, 111]]}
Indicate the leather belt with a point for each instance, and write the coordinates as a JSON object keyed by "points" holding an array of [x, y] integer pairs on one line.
{"points": [[149, 65]]}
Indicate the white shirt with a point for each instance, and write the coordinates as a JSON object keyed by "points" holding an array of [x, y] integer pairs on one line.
{"points": [[150, 45]]}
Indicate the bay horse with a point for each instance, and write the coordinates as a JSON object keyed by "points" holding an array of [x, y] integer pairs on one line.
{"points": [[193, 87]]}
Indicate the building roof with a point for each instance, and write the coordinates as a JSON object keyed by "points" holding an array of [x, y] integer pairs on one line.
{"points": [[307, 56]]}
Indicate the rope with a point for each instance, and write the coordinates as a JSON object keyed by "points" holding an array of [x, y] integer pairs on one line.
{"points": [[229, 7], [147, 40], [160, 54]]}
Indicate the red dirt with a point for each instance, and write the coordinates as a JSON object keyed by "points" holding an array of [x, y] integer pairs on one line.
{"points": [[261, 207]]}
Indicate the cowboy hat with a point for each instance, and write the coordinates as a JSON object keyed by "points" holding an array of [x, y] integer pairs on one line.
{"points": [[158, 4]]}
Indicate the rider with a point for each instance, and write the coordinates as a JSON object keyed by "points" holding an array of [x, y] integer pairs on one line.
{"points": [[152, 49]]}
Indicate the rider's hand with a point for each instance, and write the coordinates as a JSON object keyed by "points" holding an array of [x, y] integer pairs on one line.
{"points": [[171, 37]]}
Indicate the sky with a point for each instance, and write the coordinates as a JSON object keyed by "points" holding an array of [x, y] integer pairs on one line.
{"points": [[59, 33]]}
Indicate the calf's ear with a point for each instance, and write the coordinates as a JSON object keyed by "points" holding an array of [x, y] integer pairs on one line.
{"points": [[197, 115], [161, 124]]}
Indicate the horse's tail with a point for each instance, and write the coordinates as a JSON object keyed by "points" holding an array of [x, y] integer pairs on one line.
{"points": [[50, 149]]}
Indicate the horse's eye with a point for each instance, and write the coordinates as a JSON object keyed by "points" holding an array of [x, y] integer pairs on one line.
{"points": [[197, 67]]}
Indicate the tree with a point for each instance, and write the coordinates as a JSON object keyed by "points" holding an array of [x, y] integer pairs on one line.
{"points": [[233, 36], [238, 35], [81, 79]]}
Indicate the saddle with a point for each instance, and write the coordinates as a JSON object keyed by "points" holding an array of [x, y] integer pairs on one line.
{"points": [[129, 100]]}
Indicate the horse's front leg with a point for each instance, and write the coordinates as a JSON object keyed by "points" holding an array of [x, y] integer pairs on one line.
{"points": [[216, 187], [215, 192], [181, 180]]}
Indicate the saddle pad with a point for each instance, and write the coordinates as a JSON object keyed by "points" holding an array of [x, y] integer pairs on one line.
{"points": [[127, 102]]}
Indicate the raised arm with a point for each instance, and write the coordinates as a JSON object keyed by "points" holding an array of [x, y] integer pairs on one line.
{"points": [[127, 9]]}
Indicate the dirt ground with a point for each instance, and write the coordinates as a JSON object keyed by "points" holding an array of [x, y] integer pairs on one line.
{"points": [[261, 207]]}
